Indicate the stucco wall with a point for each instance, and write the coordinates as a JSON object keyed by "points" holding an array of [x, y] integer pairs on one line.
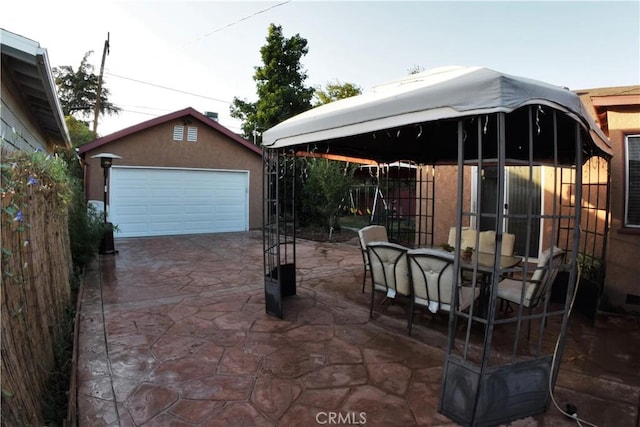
{"points": [[624, 243], [155, 147], [446, 193]]}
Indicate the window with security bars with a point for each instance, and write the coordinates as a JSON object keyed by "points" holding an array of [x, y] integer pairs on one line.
{"points": [[192, 134], [178, 133], [632, 202]]}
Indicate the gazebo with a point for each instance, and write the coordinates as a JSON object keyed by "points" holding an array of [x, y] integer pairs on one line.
{"points": [[527, 158]]}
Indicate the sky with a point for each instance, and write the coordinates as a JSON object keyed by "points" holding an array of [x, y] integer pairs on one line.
{"points": [[168, 55]]}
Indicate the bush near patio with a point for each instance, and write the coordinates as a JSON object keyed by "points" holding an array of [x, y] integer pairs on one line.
{"points": [[324, 192], [43, 218]]}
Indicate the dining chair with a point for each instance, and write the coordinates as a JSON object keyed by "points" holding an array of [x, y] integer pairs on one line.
{"points": [[508, 244], [433, 280], [487, 242], [467, 237], [370, 233], [389, 272], [530, 292]]}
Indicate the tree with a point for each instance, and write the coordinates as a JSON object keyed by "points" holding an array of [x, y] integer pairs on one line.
{"points": [[416, 69], [279, 83], [328, 181], [335, 91], [78, 131], [324, 192], [78, 90]]}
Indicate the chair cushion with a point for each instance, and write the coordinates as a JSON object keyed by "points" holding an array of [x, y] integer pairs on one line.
{"points": [[511, 290], [426, 267], [372, 233], [508, 244], [487, 241], [542, 261], [468, 239], [389, 267]]}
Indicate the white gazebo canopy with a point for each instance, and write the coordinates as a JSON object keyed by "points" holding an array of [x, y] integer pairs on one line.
{"points": [[434, 95]]}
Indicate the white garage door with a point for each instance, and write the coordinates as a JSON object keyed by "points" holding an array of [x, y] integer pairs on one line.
{"points": [[158, 202]]}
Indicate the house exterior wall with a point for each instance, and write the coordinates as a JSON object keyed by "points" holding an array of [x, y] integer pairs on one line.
{"points": [[446, 200], [621, 280], [446, 192], [155, 147], [19, 131]]}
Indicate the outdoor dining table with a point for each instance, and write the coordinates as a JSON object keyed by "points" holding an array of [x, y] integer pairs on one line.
{"points": [[485, 262]]}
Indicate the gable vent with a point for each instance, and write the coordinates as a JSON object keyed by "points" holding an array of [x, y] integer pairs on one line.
{"points": [[178, 133], [192, 134]]}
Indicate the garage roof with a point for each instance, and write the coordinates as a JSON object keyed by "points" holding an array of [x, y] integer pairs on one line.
{"points": [[28, 65], [166, 118], [435, 95]]}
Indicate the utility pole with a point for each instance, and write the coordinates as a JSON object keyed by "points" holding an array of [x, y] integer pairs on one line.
{"points": [[96, 109]]}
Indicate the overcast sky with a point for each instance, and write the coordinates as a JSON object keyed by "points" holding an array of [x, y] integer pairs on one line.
{"points": [[208, 49]]}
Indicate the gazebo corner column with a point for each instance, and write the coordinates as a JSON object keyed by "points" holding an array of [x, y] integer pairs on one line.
{"points": [[279, 244]]}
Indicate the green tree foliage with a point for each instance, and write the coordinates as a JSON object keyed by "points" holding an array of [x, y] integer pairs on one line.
{"points": [[327, 186], [78, 90], [86, 226], [324, 192], [415, 69], [279, 83], [334, 91], [78, 131]]}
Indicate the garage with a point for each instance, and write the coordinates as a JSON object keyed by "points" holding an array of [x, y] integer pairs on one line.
{"points": [[181, 173], [148, 201]]}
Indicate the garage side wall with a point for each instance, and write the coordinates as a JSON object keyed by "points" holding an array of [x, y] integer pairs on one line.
{"points": [[156, 147]]}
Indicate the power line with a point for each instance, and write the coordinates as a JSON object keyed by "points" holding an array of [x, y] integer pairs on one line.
{"points": [[233, 23], [168, 88]]}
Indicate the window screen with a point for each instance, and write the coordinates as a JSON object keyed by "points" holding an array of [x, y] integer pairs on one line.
{"points": [[632, 205], [178, 133]]}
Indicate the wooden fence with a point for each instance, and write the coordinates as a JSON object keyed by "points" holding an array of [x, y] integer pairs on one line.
{"points": [[36, 267]]}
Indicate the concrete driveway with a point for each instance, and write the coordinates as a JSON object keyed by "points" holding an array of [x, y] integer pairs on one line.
{"points": [[173, 332]]}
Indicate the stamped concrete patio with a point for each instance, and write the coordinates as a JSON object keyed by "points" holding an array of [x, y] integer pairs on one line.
{"points": [[173, 332]]}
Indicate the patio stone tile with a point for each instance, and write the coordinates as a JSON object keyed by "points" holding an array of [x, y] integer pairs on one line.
{"points": [[303, 415], [316, 316], [273, 396], [138, 322], [339, 351], [219, 387], [336, 376], [379, 408], [98, 387], [92, 367], [192, 326], [237, 361], [328, 399], [175, 372], [132, 363], [295, 360], [94, 411], [233, 322], [190, 344], [148, 401], [272, 325], [313, 333], [195, 411], [175, 346], [391, 377], [164, 420], [238, 415], [123, 387], [355, 334]]}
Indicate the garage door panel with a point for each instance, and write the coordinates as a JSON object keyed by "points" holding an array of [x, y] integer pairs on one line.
{"points": [[152, 201]]}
